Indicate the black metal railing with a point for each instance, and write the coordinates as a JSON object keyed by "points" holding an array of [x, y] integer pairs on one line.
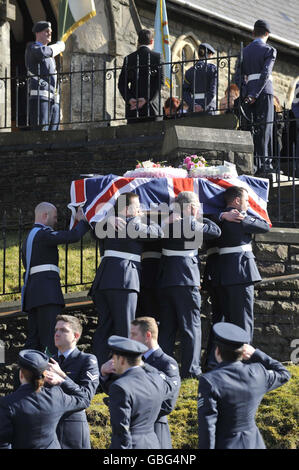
{"points": [[90, 94], [78, 262]]}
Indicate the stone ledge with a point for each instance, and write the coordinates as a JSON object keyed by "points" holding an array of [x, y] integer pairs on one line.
{"points": [[187, 137], [279, 235], [72, 300]]}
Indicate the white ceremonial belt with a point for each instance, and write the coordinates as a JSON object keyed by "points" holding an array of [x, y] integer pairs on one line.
{"points": [[212, 251], [44, 267], [122, 254], [256, 76], [151, 254], [235, 249], [198, 96], [42, 93], [186, 253]]}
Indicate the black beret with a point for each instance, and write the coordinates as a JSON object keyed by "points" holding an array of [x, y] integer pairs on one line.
{"points": [[230, 334], [40, 26], [126, 346], [205, 45], [35, 361], [262, 24]]}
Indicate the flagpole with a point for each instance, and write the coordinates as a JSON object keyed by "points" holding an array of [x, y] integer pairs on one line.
{"points": [[64, 18]]}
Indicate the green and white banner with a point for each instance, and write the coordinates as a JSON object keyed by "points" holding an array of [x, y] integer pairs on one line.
{"points": [[72, 14]]}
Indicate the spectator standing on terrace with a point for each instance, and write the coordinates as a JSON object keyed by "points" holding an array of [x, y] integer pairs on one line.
{"points": [[44, 110], [254, 78], [140, 81], [227, 103], [200, 82]]}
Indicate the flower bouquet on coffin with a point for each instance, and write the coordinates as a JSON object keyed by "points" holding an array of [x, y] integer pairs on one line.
{"points": [[149, 169], [198, 167]]}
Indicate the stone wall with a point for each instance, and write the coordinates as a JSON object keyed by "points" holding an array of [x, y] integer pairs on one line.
{"points": [[40, 166]]}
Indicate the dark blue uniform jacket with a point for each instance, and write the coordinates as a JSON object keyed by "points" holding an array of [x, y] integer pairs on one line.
{"points": [[184, 270], [39, 61], [228, 398], [234, 268], [258, 58], [73, 428], [43, 288], [28, 419], [135, 400]]}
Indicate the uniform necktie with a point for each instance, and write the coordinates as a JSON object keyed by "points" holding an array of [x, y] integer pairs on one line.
{"points": [[61, 359]]}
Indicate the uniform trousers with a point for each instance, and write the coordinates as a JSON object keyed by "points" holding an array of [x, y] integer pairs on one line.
{"points": [[237, 304], [217, 316], [262, 112], [148, 304], [116, 310], [41, 327], [44, 117], [163, 434], [180, 309]]}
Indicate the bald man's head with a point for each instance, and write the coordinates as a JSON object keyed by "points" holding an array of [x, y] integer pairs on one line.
{"points": [[46, 214]]}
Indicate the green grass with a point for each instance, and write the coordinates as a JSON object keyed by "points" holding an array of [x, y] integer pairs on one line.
{"points": [[74, 262], [277, 417]]}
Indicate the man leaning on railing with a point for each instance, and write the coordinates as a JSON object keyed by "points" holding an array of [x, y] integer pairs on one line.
{"points": [[44, 110]]}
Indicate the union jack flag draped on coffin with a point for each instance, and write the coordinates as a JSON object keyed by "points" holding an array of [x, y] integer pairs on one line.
{"points": [[96, 195]]}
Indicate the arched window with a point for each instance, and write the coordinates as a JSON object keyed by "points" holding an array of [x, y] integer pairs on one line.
{"points": [[184, 55]]}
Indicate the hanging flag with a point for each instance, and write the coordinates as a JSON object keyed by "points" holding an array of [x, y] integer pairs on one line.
{"points": [[72, 14], [162, 43]]}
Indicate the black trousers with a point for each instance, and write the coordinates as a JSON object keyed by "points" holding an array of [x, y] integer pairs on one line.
{"points": [[41, 327], [116, 310], [180, 310], [262, 114]]}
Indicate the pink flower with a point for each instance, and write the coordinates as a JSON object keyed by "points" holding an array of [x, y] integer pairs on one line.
{"points": [[190, 165], [138, 166], [187, 160]]}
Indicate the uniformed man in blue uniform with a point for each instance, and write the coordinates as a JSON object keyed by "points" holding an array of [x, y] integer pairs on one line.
{"points": [[145, 330], [179, 281], [254, 78], [29, 416], [81, 368], [135, 397], [117, 282], [42, 297], [295, 109], [44, 110], [233, 272], [229, 395], [200, 82]]}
